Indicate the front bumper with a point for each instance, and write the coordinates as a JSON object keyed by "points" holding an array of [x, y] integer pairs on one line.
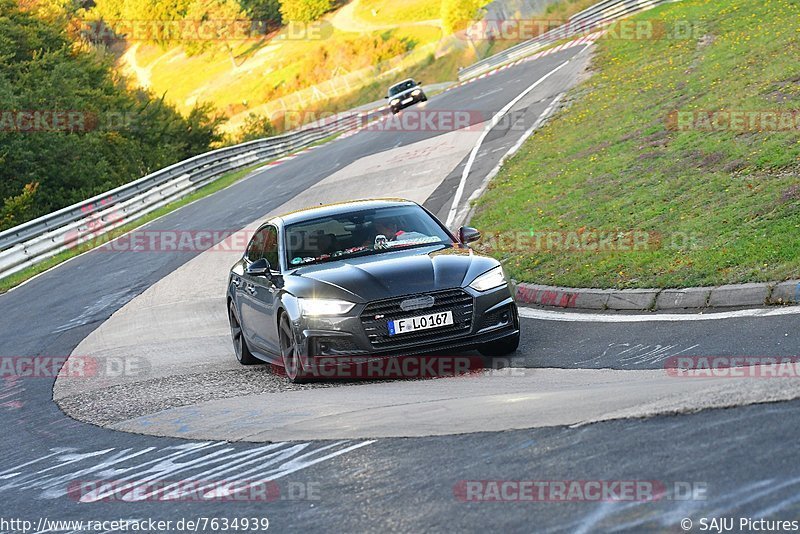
{"points": [[492, 316], [404, 101]]}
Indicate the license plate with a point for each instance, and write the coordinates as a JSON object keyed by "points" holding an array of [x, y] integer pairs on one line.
{"points": [[420, 322], [407, 101]]}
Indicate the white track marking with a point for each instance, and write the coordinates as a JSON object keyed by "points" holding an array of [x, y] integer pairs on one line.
{"points": [[495, 120], [462, 213], [54, 474], [572, 317]]}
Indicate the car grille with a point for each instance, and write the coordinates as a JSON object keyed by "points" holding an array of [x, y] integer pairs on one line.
{"points": [[377, 330]]}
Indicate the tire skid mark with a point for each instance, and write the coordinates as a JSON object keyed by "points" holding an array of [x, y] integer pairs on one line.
{"points": [[11, 394], [53, 474], [637, 353]]}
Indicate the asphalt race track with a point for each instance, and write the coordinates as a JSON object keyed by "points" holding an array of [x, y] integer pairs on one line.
{"points": [[736, 461]]}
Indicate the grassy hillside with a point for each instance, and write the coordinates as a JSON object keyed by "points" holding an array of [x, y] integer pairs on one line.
{"points": [[263, 76], [363, 40], [389, 12], [721, 206]]}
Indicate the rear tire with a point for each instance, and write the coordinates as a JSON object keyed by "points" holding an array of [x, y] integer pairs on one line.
{"points": [[501, 347], [240, 348]]}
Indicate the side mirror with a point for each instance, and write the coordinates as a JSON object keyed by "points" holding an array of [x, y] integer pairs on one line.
{"points": [[259, 268], [419, 83], [385, 97], [467, 234]]}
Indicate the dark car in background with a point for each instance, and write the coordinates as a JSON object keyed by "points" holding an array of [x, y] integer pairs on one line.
{"points": [[404, 94], [365, 278]]}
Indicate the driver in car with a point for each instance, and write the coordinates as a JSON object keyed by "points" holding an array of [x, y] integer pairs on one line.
{"points": [[387, 228], [383, 231]]}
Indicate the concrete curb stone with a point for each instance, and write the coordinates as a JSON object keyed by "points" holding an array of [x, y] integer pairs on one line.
{"points": [[725, 296]]}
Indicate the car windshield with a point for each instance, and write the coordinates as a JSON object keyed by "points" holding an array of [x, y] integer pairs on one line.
{"points": [[362, 232], [400, 87]]}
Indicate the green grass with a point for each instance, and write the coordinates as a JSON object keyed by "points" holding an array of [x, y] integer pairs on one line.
{"points": [[724, 206], [392, 12], [219, 184]]}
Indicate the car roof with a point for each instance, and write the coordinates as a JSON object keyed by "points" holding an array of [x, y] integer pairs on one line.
{"points": [[327, 210]]}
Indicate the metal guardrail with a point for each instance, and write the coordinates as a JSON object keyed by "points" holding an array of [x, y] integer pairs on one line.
{"points": [[591, 19], [37, 240]]}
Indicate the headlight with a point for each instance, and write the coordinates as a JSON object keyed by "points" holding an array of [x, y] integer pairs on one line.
{"points": [[313, 307], [415, 92], [394, 101], [489, 280]]}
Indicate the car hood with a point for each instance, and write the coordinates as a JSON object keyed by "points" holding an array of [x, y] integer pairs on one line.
{"points": [[404, 94], [391, 274]]}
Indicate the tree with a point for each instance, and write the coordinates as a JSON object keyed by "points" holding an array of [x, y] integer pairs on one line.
{"points": [[266, 11], [304, 10], [457, 14], [18, 208], [219, 17], [120, 136], [255, 127]]}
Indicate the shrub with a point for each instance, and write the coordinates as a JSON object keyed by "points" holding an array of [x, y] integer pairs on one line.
{"points": [[304, 10], [456, 14]]}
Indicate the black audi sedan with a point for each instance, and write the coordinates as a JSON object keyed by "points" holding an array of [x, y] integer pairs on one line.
{"points": [[366, 278], [404, 94]]}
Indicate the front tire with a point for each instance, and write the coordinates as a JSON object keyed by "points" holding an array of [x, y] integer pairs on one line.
{"points": [[290, 352], [501, 347], [240, 348]]}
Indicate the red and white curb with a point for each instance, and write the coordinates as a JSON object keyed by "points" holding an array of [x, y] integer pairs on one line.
{"points": [[591, 38], [697, 298], [290, 157]]}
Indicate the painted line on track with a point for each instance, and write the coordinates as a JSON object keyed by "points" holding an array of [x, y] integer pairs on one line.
{"points": [[464, 213], [550, 315], [474, 153]]}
